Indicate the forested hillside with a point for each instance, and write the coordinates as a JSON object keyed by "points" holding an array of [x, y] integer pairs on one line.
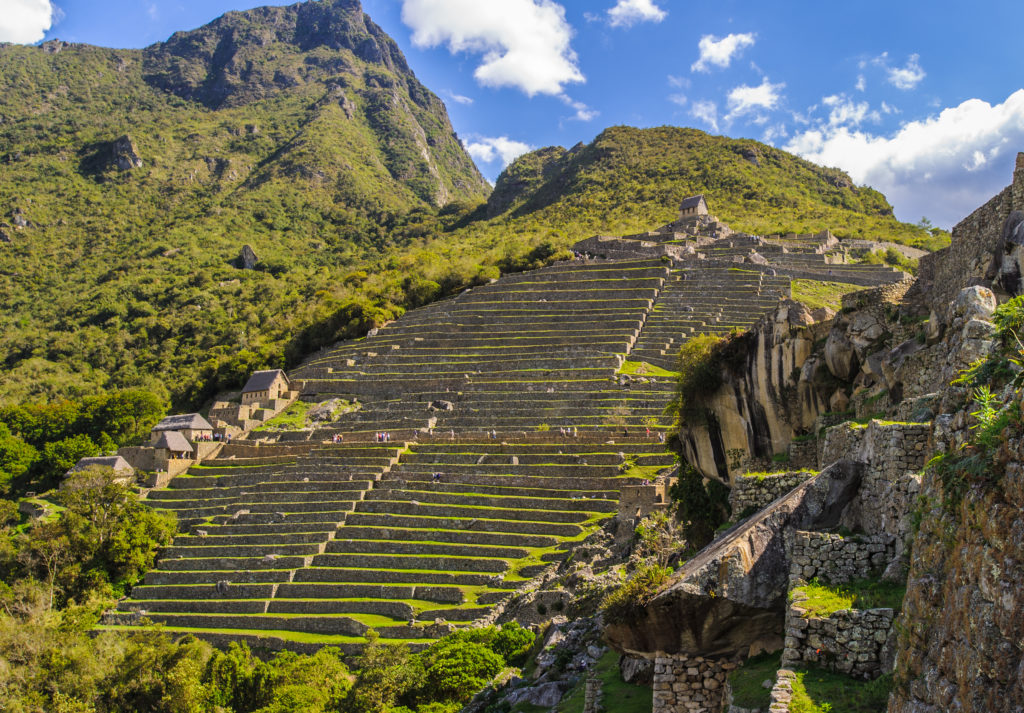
{"points": [[635, 178]]}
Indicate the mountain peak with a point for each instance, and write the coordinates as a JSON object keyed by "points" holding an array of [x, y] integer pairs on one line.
{"points": [[249, 54]]}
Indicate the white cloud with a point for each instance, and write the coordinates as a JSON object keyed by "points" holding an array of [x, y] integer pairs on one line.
{"points": [[843, 111], [943, 167], [491, 148], [525, 43], [25, 21], [457, 98], [678, 82], [583, 112], [627, 13], [720, 52], [861, 84], [744, 99], [906, 77], [774, 133], [679, 99], [705, 110]]}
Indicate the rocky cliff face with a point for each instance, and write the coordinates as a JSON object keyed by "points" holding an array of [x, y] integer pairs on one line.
{"points": [[763, 404], [963, 621]]}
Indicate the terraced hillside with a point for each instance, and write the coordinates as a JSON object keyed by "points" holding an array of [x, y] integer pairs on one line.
{"points": [[516, 413]]}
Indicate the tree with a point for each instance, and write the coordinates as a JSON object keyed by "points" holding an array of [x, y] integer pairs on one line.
{"points": [[455, 669], [701, 506], [48, 551], [109, 528], [16, 456]]}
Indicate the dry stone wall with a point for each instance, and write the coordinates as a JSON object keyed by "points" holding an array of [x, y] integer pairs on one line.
{"points": [[835, 559], [751, 493], [968, 259], [850, 641], [895, 454], [685, 684]]}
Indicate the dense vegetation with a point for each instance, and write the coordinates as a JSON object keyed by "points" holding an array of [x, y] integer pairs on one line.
{"points": [[751, 186], [302, 132], [39, 442]]}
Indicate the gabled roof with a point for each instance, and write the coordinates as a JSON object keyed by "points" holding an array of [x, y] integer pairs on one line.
{"points": [[263, 380], [115, 463], [184, 420], [692, 202], [173, 441]]}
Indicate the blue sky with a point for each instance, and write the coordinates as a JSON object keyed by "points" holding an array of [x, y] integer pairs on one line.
{"points": [[922, 100]]}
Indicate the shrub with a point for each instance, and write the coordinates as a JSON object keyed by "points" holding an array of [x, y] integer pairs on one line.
{"points": [[624, 603], [512, 642], [455, 669]]}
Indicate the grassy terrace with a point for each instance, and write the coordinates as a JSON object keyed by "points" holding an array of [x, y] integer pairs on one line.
{"points": [[820, 600], [366, 534]]}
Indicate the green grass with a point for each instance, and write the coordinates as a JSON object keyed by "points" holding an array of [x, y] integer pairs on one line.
{"points": [[619, 696], [762, 474], [293, 418], [816, 691], [747, 691], [823, 600], [642, 368], [325, 639], [815, 293]]}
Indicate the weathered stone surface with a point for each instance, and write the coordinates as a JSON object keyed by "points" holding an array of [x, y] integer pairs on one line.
{"points": [[247, 258], [728, 598], [124, 155], [636, 669]]}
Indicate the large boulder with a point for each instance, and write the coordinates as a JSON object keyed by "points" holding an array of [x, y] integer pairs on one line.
{"points": [[247, 258], [124, 155], [840, 356], [973, 303]]}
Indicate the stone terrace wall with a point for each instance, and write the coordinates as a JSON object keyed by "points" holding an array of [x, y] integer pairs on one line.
{"points": [[894, 454], [755, 492], [966, 260], [836, 559], [804, 454], [849, 641], [684, 684]]}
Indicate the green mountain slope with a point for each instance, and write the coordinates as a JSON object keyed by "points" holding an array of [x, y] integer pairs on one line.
{"points": [[300, 131], [752, 186]]}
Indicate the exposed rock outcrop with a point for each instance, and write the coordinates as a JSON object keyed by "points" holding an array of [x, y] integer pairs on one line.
{"points": [[779, 390], [124, 155]]}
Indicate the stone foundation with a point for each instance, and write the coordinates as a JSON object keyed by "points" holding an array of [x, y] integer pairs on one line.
{"points": [[850, 641]]}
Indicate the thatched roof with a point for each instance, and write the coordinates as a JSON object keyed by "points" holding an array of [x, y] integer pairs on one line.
{"points": [[263, 380], [173, 441], [115, 463], [693, 202], [182, 421]]}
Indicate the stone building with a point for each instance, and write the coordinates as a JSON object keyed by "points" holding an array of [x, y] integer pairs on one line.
{"points": [[265, 387], [123, 471], [692, 207], [192, 426], [172, 445]]}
